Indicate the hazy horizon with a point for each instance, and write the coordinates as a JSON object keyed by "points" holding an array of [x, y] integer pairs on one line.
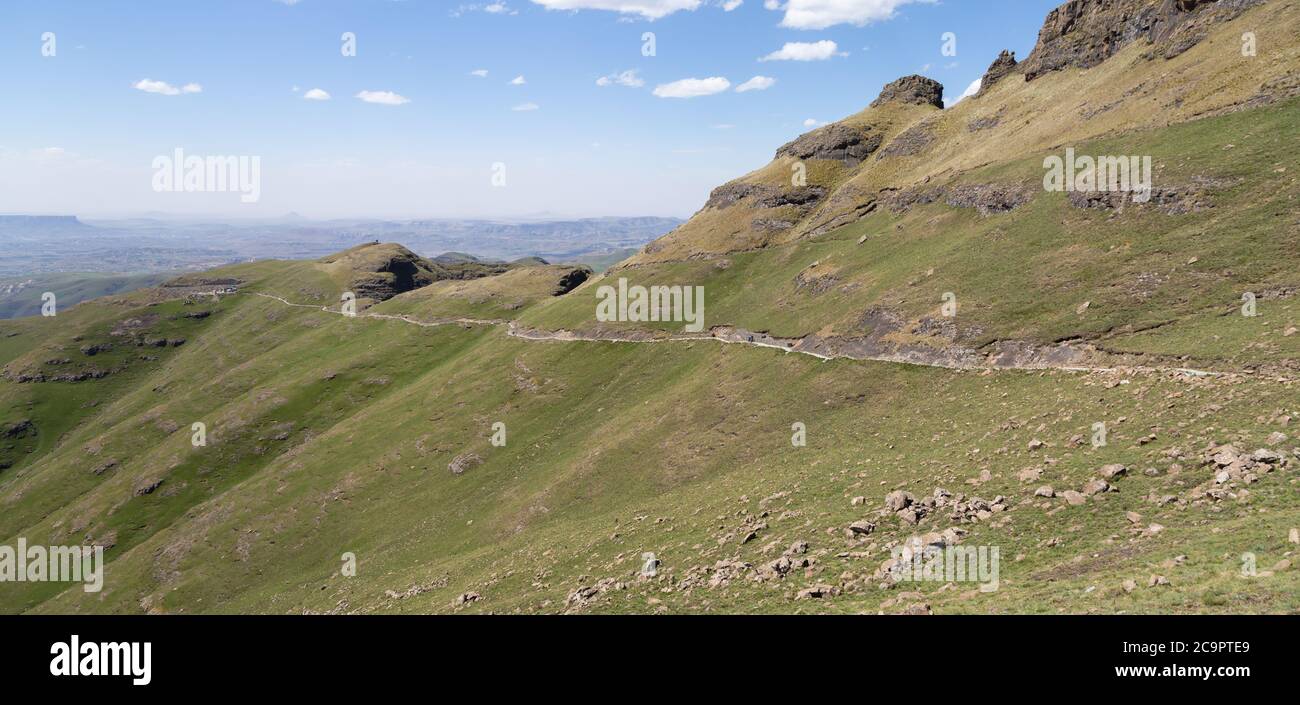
{"points": [[397, 110]]}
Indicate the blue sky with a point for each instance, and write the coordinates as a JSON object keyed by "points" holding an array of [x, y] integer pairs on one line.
{"points": [[79, 132]]}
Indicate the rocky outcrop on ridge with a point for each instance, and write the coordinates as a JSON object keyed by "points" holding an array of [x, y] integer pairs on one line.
{"points": [[1084, 33], [1001, 67], [911, 90], [835, 142]]}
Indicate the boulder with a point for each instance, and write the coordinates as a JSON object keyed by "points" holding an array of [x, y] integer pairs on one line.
{"points": [[1110, 472], [1095, 487], [898, 500]]}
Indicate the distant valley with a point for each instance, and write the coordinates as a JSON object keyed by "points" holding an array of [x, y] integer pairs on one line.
{"points": [[80, 259]]}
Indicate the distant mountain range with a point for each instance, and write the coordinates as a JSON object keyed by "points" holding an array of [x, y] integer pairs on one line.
{"points": [[148, 245]]}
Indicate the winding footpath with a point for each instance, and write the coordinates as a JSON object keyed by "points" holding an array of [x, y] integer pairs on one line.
{"points": [[734, 336]]}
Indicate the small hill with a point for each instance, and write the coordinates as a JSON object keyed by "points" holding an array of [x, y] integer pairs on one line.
{"points": [[378, 272]]}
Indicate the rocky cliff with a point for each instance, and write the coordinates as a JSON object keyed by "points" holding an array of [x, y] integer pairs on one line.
{"points": [[1084, 33]]}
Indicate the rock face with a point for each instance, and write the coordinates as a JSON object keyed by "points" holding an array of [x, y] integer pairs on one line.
{"points": [[836, 142], [763, 196], [1084, 33], [912, 90], [1001, 66], [570, 281]]}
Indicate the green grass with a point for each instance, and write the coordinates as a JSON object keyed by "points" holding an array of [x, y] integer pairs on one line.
{"points": [[1024, 274], [601, 434], [70, 289], [330, 435]]}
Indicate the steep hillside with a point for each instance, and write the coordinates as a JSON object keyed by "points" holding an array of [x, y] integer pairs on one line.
{"points": [[1093, 404], [908, 206]]}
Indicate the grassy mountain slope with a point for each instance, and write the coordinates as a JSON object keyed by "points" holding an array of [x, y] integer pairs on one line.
{"points": [[22, 296], [372, 435], [968, 215]]}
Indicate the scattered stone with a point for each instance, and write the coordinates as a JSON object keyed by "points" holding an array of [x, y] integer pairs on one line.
{"points": [[817, 592], [862, 528], [463, 462], [1096, 486], [147, 487], [1029, 474], [466, 598], [1074, 498], [1045, 491], [1111, 472], [898, 500]]}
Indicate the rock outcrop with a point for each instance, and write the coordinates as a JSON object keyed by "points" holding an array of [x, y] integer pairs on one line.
{"points": [[1002, 66], [1084, 33], [764, 196], [835, 142], [572, 280], [911, 90]]}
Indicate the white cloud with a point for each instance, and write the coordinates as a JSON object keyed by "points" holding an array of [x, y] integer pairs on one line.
{"points": [[723, 126], [383, 97], [804, 51], [481, 73], [316, 94], [518, 80], [692, 87], [971, 90], [649, 9], [729, 5], [811, 122], [149, 85], [492, 8], [820, 14], [627, 78], [526, 108], [757, 83]]}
